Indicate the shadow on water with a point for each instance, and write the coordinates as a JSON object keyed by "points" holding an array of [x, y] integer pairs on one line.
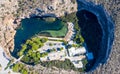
{"points": [[91, 31], [97, 30]]}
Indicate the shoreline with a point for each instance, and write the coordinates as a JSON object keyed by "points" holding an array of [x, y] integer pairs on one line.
{"points": [[107, 27]]}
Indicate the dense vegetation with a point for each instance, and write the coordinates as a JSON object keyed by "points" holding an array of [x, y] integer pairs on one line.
{"points": [[67, 65], [23, 69], [19, 68], [59, 64], [29, 50], [85, 62]]}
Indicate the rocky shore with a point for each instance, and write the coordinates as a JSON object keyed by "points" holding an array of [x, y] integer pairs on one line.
{"points": [[103, 28], [7, 27], [112, 66]]}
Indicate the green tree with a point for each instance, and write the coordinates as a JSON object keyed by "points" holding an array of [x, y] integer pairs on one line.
{"points": [[20, 53], [30, 52], [24, 71], [65, 42], [44, 54], [24, 46], [15, 68], [43, 40], [38, 54], [35, 46], [50, 44], [26, 59], [74, 45], [81, 39], [84, 61], [61, 48]]}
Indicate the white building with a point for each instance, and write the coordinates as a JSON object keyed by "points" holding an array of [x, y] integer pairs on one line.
{"points": [[73, 51], [57, 55], [77, 64]]}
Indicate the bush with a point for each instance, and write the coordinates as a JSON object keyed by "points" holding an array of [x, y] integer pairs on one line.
{"points": [[59, 64], [24, 71], [29, 49], [73, 1], [61, 48], [44, 54], [15, 68], [84, 61], [43, 40], [18, 67]]}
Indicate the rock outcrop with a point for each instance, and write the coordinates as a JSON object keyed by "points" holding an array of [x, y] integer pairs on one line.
{"points": [[7, 27], [29, 8]]}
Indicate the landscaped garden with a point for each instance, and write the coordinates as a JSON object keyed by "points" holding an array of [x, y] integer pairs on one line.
{"points": [[29, 50]]}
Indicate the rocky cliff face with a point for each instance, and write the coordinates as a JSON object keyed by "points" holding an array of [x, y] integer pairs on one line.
{"points": [[113, 64], [12, 11], [29, 8], [7, 27]]}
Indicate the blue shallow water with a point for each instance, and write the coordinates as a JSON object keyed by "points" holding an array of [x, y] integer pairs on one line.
{"points": [[98, 30]]}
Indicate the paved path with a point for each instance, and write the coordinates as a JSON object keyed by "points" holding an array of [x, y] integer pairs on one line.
{"points": [[51, 38], [55, 44], [16, 60]]}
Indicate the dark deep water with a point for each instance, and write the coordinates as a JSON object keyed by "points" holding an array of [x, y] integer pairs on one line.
{"points": [[97, 28], [91, 31]]}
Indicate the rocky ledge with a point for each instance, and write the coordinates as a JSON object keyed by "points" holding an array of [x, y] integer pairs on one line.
{"points": [[7, 27]]}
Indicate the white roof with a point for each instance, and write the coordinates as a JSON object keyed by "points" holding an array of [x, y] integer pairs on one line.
{"points": [[73, 51], [78, 65], [71, 42], [43, 58], [76, 58], [81, 50]]}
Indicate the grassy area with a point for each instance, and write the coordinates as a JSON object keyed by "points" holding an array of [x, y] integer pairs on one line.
{"points": [[58, 33]]}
